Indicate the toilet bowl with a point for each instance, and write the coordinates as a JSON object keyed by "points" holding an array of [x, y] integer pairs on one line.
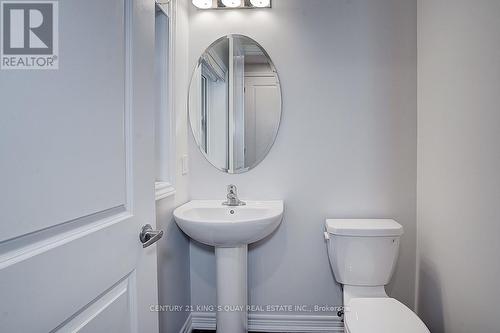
{"points": [[363, 254], [381, 315]]}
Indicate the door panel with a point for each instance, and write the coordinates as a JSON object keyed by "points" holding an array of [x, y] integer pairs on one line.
{"points": [[77, 167], [59, 286], [61, 127], [262, 98], [100, 316]]}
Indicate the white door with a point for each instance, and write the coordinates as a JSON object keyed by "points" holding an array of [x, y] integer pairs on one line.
{"points": [[76, 175], [262, 99]]}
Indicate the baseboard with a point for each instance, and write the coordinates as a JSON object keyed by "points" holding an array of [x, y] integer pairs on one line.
{"points": [[294, 323], [188, 325], [271, 323]]}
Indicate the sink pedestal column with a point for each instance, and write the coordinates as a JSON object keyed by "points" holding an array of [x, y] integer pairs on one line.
{"points": [[232, 296]]}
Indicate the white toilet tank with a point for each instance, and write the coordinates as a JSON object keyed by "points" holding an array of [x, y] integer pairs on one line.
{"points": [[363, 252]]}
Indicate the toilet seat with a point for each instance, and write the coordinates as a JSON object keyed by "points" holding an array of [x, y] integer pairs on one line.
{"points": [[381, 315]]}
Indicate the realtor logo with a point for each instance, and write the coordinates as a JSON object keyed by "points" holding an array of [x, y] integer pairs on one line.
{"points": [[29, 35]]}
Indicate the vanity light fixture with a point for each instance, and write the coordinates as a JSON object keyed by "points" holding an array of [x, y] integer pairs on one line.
{"points": [[231, 4], [261, 3], [202, 4]]}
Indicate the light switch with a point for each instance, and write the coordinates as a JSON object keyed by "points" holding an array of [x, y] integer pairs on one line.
{"points": [[185, 165]]}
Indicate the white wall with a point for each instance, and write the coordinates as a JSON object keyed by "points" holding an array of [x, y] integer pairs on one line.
{"points": [[459, 163], [346, 146], [173, 250]]}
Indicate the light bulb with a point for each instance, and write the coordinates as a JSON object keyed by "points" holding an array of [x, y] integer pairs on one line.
{"points": [[203, 4], [232, 3], [260, 3]]}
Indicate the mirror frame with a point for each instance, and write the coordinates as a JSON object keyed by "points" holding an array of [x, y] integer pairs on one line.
{"points": [[277, 127]]}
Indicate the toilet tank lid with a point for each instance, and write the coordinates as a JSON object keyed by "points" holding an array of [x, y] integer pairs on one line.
{"points": [[364, 227]]}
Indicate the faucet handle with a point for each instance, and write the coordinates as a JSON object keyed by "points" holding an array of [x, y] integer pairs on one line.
{"points": [[231, 189], [232, 197]]}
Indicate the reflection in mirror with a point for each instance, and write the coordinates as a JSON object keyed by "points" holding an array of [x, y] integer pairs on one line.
{"points": [[235, 104]]}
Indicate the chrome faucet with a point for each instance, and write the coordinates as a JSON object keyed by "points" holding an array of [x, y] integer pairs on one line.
{"points": [[232, 197]]}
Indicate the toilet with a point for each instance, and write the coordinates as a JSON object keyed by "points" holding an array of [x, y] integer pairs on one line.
{"points": [[363, 254]]}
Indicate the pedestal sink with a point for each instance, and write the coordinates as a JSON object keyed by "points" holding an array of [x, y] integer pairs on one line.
{"points": [[230, 230]]}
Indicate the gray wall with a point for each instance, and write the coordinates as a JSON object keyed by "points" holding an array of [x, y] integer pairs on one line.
{"points": [[459, 163], [173, 267], [173, 250], [346, 147]]}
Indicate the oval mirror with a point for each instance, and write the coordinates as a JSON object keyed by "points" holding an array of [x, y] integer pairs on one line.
{"points": [[235, 103]]}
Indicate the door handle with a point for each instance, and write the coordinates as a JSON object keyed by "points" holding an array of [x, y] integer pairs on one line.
{"points": [[148, 236]]}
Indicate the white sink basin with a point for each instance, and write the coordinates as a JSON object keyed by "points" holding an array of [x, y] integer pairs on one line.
{"points": [[211, 223], [230, 230]]}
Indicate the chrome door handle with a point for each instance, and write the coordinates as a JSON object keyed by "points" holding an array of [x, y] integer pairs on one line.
{"points": [[149, 236]]}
